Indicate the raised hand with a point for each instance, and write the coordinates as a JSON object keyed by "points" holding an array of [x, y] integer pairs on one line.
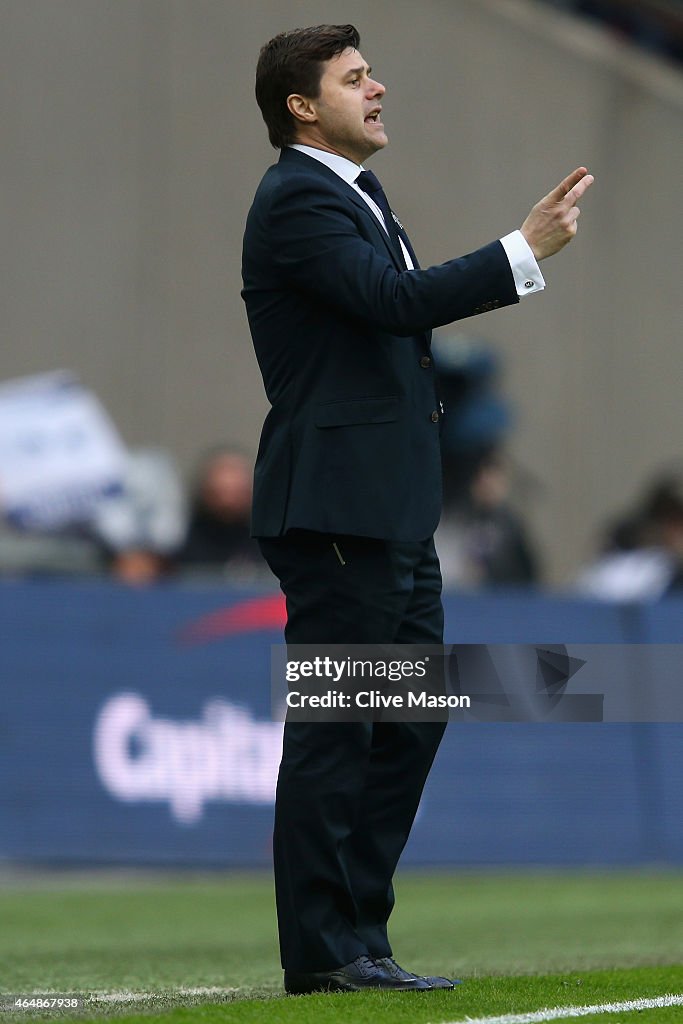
{"points": [[552, 221]]}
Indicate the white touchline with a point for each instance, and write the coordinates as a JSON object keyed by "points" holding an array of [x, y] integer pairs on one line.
{"points": [[142, 997], [562, 1012]]}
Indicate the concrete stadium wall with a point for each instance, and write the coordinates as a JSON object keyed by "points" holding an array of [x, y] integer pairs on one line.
{"points": [[132, 147]]}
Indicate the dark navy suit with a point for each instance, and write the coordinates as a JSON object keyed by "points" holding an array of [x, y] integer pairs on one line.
{"points": [[347, 495], [340, 330]]}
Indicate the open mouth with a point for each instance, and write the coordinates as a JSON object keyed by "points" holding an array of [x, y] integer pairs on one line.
{"points": [[373, 117]]}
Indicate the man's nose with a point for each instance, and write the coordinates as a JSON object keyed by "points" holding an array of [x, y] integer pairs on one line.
{"points": [[376, 88]]}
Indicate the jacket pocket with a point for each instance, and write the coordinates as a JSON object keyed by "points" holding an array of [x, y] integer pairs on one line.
{"points": [[357, 411]]}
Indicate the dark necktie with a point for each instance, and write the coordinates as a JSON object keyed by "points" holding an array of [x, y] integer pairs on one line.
{"points": [[369, 183]]}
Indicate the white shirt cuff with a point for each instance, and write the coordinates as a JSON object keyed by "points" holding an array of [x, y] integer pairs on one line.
{"points": [[525, 270]]}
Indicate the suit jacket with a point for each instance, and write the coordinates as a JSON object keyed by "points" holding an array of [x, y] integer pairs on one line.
{"points": [[342, 331]]}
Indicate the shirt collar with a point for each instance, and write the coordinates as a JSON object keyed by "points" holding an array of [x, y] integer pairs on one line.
{"points": [[346, 169]]}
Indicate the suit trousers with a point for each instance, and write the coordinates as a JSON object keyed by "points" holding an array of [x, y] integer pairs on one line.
{"points": [[348, 792]]}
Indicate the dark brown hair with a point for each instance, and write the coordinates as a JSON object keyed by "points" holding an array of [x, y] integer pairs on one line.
{"points": [[292, 62]]}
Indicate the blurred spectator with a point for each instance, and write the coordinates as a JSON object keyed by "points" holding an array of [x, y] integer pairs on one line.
{"points": [[476, 417], [481, 541], [642, 557], [218, 536], [74, 500], [128, 533], [141, 526], [665, 512]]}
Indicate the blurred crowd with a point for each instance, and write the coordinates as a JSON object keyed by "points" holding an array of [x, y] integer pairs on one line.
{"points": [[641, 554], [150, 529], [152, 526], [656, 25]]}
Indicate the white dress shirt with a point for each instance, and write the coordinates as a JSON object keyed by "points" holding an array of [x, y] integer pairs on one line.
{"points": [[525, 270]]}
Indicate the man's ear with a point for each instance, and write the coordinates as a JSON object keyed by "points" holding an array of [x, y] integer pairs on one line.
{"points": [[301, 108]]}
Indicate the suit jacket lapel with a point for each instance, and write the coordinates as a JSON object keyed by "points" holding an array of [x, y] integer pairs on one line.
{"points": [[385, 244], [377, 227]]}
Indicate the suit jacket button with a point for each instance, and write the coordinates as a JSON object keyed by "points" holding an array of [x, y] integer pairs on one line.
{"points": [[435, 417], [425, 362]]}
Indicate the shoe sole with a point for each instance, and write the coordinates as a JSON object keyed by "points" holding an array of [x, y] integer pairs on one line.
{"points": [[338, 987]]}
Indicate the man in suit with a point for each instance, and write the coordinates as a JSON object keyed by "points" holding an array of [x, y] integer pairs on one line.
{"points": [[347, 488]]}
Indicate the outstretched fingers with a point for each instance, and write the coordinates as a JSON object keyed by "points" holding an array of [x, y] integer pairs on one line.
{"points": [[553, 220], [561, 190], [581, 186], [572, 187]]}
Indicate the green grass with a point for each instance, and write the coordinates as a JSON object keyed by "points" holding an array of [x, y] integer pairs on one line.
{"points": [[520, 941]]}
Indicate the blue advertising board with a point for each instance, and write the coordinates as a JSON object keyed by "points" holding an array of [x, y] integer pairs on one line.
{"points": [[135, 728]]}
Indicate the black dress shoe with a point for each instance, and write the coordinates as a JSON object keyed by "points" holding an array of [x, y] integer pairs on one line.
{"points": [[390, 965], [362, 973]]}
